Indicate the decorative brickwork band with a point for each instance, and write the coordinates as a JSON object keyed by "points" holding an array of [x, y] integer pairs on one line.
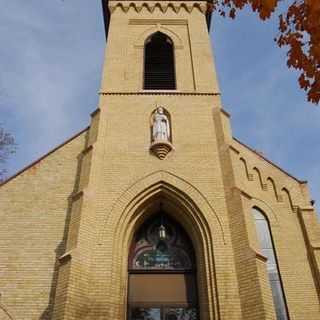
{"points": [[163, 6]]}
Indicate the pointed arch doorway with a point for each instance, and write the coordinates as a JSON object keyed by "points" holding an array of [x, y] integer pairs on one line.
{"points": [[162, 272]]}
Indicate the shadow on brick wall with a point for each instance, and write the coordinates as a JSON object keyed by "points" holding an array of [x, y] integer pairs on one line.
{"points": [[61, 248]]}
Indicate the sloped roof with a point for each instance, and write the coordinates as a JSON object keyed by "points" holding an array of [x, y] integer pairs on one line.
{"points": [[42, 157]]}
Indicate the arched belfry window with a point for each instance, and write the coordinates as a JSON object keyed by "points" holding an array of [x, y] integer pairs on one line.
{"points": [[159, 70], [267, 249], [162, 272]]}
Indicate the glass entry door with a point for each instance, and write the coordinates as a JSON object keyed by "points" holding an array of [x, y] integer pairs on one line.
{"points": [[163, 313]]}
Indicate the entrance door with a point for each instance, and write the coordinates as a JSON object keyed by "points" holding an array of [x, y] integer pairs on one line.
{"points": [[162, 274]]}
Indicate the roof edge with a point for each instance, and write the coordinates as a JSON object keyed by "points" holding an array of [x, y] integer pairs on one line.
{"points": [[269, 161], [43, 157]]}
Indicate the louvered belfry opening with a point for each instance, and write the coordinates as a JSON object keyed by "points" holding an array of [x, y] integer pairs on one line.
{"points": [[159, 71]]}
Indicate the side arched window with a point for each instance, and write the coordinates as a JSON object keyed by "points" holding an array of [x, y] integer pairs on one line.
{"points": [[159, 70], [267, 249]]}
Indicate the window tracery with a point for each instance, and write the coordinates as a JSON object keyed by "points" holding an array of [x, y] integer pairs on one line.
{"points": [[162, 274], [151, 252]]}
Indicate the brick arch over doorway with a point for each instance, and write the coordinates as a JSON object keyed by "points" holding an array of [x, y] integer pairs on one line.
{"points": [[189, 208]]}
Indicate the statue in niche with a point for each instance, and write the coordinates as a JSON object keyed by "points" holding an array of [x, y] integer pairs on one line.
{"points": [[160, 133], [160, 126]]}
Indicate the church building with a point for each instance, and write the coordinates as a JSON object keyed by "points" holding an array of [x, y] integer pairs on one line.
{"points": [[155, 211]]}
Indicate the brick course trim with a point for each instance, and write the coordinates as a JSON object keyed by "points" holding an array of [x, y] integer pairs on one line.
{"points": [[160, 92]]}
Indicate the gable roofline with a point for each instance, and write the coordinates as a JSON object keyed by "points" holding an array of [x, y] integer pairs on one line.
{"points": [[42, 157], [269, 161]]}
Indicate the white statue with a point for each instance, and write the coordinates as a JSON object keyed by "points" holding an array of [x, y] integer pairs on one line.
{"points": [[160, 126]]}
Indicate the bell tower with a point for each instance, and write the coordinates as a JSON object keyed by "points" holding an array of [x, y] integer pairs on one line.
{"points": [[156, 140], [130, 27]]}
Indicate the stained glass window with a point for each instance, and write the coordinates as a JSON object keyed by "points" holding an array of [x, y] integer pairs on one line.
{"points": [[149, 251]]}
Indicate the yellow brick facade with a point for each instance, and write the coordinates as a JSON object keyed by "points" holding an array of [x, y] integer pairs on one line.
{"points": [[68, 220]]}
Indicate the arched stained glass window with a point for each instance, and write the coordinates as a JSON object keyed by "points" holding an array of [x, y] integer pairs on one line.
{"points": [[267, 249], [162, 273], [172, 252], [159, 70]]}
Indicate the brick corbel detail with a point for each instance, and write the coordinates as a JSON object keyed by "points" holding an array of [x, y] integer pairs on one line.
{"points": [[176, 6]]}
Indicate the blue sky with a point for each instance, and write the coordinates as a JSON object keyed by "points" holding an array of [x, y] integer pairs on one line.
{"points": [[51, 57]]}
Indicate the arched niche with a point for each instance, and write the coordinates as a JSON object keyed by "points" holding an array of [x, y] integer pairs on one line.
{"points": [[169, 125], [258, 177], [272, 186], [246, 169], [287, 198], [160, 133]]}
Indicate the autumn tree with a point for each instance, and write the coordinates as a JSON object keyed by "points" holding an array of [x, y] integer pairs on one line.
{"points": [[7, 147], [299, 31]]}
